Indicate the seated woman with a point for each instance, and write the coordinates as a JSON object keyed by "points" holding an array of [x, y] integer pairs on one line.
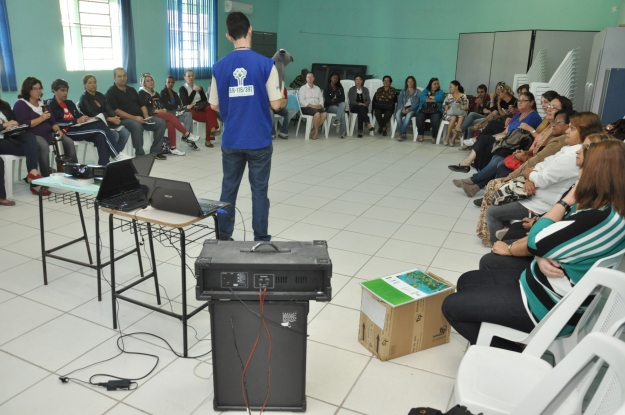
{"points": [[311, 102], [384, 104], [194, 98], [334, 101], [456, 96], [28, 110], [92, 103], [511, 251], [359, 101], [24, 144], [547, 180], [553, 142], [526, 119], [97, 132], [407, 105], [430, 107], [504, 107], [172, 103], [152, 100], [520, 299]]}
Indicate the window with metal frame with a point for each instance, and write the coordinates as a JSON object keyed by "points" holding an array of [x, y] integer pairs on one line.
{"points": [[192, 37], [91, 30]]}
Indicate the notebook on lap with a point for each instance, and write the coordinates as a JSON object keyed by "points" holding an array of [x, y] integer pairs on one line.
{"points": [[120, 189], [177, 197]]}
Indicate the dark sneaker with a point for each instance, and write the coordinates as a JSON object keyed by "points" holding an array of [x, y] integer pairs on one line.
{"points": [[191, 144], [160, 156]]}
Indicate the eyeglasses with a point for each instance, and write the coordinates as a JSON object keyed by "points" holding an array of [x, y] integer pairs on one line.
{"points": [[553, 107], [523, 100], [559, 122]]}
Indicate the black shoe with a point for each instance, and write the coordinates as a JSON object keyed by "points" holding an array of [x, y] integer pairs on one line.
{"points": [[478, 202], [458, 168], [160, 156]]}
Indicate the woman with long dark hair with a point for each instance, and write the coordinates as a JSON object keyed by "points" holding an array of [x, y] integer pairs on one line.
{"points": [[456, 99], [334, 101], [430, 107]]}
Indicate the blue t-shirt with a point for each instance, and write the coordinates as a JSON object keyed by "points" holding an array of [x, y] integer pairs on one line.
{"points": [[241, 77], [532, 119]]}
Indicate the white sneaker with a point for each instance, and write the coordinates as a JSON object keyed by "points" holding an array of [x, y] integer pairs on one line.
{"points": [[177, 152], [193, 137], [122, 156]]}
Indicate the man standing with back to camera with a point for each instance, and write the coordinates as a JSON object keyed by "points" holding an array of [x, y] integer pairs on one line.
{"points": [[244, 85]]}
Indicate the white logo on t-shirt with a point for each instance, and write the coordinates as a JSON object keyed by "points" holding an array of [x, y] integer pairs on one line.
{"points": [[240, 90]]}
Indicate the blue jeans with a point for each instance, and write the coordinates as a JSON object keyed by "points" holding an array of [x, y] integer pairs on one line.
{"points": [[285, 121], [403, 126], [470, 120], [136, 131], [488, 173], [435, 119], [259, 165], [339, 110], [122, 138]]}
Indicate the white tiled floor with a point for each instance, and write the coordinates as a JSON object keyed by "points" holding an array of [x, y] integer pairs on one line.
{"points": [[383, 206]]}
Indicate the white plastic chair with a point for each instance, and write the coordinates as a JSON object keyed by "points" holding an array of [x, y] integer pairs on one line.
{"points": [[494, 381], [8, 172], [307, 127], [372, 85], [561, 390], [561, 345]]}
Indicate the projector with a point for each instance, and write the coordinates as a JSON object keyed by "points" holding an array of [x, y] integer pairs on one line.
{"points": [[84, 171]]}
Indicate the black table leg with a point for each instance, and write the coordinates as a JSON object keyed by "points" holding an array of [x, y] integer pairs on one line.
{"points": [[183, 258], [98, 256], [111, 243], [43, 239], [216, 225], [154, 273], [84, 229]]}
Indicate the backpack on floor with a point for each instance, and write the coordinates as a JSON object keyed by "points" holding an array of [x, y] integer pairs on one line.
{"points": [[456, 410]]}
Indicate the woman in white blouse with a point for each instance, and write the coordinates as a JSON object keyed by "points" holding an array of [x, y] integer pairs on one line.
{"points": [[311, 102]]}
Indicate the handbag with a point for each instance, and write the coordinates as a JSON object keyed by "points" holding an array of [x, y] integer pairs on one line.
{"points": [[383, 105], [200, 106], [517, 139], [510, 192], [455, 110], [511, 163], [429, 108]]}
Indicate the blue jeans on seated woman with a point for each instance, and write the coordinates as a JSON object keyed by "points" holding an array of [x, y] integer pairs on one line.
{"points": [[470, 120], [339, 110], [24, 144], [403, 125], [488, 173]]}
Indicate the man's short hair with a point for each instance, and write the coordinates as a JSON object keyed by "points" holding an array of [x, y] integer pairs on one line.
{"points": [[189, 70], [483, 87], [304, 72], [238, 25], [117, 69], [59, 83]]}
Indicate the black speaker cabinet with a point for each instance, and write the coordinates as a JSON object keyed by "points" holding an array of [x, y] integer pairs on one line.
{"points": [[287, 323]]}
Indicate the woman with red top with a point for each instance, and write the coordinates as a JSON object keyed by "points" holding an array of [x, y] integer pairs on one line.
{"points": [[194, 98], [152, 100]]}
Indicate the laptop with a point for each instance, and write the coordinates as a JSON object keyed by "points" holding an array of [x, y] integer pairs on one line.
{"points": [[120, 189], [177, 197], [143, 164]]}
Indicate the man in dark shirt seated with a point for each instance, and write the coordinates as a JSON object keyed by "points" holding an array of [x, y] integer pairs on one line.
{"points": [[125, 102], [300, 80]]}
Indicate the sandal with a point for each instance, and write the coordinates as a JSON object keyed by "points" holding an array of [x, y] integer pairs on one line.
{"points": [[433, 140], [359, 134], [370, 127], [420, 139]]}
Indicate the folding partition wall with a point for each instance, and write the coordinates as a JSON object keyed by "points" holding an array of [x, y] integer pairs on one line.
{"points": [[491, 57]]}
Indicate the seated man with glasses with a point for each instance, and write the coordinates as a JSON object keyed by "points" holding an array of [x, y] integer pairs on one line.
{"points": [[127, 105]]}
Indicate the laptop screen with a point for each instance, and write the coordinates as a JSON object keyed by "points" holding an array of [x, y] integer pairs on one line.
{"points": [[119, 177], [143, 164]]}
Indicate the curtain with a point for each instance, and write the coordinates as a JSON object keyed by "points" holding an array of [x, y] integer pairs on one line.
{"points": [[192, 37], [7, 66], [129, 56]]}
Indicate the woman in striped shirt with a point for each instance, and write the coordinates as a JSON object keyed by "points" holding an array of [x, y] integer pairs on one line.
{"points": [[585, 226]]}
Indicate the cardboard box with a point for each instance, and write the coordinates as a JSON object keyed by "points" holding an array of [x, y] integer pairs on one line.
{"points": [[401, 326]]}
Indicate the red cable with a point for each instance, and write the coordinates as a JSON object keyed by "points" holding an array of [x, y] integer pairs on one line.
{"points": [[250, 358], [262, 313]]}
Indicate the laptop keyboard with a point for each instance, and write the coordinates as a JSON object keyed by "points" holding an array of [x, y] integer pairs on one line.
{"points": [[209, 207], [127, 197]]}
